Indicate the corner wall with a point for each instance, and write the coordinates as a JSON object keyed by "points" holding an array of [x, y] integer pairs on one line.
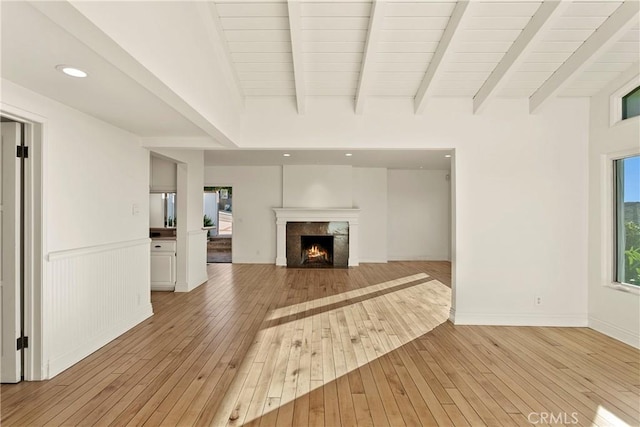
{"points": [[613, 312]]}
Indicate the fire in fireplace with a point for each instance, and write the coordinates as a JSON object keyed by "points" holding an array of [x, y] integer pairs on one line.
{"points": [[316, 250]]}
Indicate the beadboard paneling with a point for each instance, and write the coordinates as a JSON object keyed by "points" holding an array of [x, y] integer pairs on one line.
{"points": [[106, 286]]}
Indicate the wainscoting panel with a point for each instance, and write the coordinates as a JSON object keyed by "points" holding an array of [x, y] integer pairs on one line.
{"points": [[91, 296]]}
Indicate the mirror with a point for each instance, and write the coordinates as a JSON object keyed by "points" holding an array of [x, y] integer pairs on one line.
{"points": [[162, 210]]}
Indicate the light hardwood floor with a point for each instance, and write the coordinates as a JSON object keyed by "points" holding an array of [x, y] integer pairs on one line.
{"points": [[265, 345]]}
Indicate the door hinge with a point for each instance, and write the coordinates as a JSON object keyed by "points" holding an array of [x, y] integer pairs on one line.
{"points": [[23, 342], [22, 152]]}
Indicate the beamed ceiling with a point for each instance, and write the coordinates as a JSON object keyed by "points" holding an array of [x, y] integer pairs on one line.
{"points": [[192, 69], [423, 49]]}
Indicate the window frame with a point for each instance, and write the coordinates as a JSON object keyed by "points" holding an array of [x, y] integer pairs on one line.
{"points": [[610, 219], [615, 102]]}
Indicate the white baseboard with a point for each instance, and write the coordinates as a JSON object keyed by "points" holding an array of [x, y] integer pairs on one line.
{"points": [[418, 257], [373, 260], [533, 319], [627, 336], [182, 287], [249, 260], [65, 361]]}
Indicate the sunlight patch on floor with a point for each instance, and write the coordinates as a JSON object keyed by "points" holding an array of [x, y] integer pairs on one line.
{"points": [[344, 296], [291, 359], [610, 419]]}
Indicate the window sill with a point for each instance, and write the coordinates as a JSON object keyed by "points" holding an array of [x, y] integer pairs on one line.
{"points": [[623, 287]]}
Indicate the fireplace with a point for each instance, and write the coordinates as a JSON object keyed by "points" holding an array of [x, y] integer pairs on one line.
{"points": [[338, 224], [317, 244], [317, 251]]}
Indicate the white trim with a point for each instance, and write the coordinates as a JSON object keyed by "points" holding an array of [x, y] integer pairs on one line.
{"points": [[198, 232], [452, 315], [53, 256], [615, 100], [373, 261], [627, 336], [418, 257], [624, 287], [508, 319], [35, 238]]}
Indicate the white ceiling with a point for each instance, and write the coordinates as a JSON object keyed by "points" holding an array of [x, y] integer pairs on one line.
{"points": [[339, 41], [32, 45], [390, 159], [300, 50]]}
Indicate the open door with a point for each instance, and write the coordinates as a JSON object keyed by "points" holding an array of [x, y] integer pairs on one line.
{"points": [[10, 215]]}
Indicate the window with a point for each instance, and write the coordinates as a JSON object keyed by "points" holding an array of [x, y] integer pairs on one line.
{"points": [[631, 104], [627, 220]]}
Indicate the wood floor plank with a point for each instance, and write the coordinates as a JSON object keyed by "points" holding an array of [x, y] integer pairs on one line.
{"points": [[260, 345]]}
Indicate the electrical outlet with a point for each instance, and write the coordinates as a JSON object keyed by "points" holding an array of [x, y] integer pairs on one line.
{"points": [[538, 300]]}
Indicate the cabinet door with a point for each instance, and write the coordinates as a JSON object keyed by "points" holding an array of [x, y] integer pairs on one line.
{"points": [[163, 271]]}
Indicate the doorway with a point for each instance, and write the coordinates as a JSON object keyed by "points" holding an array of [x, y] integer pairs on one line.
{"points": [[218, 219]]}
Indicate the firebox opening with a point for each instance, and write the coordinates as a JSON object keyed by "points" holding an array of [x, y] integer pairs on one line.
{"points": [[317, 250]]}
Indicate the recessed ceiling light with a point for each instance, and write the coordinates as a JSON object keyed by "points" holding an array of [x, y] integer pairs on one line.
{"points": [[287, 155], [348, 154], [71, 71], [447, 155]]}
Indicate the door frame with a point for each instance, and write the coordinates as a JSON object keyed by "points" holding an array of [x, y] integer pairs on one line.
{"points": [[34, 239]]}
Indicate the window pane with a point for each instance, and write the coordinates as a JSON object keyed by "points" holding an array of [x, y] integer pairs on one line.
{"points": [[628, 220], [631, 104]]}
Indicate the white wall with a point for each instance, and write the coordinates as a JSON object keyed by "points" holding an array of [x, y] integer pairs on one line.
{"points": [[191, 240], [95, 256], [419, 215], [521, 191], [370, 196], [317, 186], [256, 191], [163, 175], [611, 311]]}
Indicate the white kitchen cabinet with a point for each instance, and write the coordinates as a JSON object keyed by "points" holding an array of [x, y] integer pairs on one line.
{"points": [[163, 265]]}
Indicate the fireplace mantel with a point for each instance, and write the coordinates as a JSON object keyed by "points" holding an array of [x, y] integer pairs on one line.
{"points": [[285, 215]]}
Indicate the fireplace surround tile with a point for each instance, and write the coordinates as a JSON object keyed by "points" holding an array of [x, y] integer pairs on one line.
{"points": [[342, 223], [340, 250]]}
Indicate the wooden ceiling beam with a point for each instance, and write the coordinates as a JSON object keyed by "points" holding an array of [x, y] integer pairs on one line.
{"points": [[295, 28], [623, 19], [443, 51], [368, 65], [539, 24]]}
